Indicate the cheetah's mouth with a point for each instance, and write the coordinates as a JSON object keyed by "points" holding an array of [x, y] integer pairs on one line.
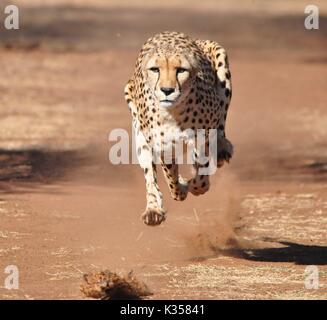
{"points": [[166, 103]]}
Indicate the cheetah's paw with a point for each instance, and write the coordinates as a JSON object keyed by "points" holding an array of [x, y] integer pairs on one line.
{"points": [[224, 152], [182, 192], [153, 216], [198, 188]]}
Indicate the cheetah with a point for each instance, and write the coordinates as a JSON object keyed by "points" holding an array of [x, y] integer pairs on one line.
{"points": [[179, 85]]}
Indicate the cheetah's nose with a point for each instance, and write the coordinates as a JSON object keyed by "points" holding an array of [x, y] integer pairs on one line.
{"points": [[167, 91]]}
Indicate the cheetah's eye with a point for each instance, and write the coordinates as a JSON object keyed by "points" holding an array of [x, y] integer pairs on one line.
{"points": [[154, 69], [180, 70]]}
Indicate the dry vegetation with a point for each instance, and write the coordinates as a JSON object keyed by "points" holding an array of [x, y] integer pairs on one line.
{"points": [[66, 211]]}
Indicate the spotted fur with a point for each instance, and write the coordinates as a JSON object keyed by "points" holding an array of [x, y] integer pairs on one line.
{"points": [[203, 106]]}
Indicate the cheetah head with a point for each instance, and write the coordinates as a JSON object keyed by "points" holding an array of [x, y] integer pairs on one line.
{"points": [[170, 77]]}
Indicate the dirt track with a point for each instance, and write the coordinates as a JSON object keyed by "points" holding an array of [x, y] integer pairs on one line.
{"points": [[66, 210]]}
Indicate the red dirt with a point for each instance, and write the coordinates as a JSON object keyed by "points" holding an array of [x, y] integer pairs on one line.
{"points": [[65, 210]]}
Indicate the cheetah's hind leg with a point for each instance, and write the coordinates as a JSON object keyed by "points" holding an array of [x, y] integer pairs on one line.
{"points": [[224, 151]]}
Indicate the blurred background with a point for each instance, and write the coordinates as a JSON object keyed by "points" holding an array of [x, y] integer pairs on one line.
{"points": [[63, 71], [64, 205], [71, 58]]}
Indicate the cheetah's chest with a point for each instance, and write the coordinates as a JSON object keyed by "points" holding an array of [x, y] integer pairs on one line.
{"points": [[170, 135]]}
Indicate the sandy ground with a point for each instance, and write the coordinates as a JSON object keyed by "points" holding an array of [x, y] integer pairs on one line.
{"points": [[66, 210]]}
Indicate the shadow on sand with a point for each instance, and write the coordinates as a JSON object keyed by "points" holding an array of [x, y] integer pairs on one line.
{"points": [[35, 167], [292, 252], [300, 254]]}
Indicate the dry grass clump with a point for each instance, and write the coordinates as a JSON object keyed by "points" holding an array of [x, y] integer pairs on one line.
{"points": [[106, 285]]}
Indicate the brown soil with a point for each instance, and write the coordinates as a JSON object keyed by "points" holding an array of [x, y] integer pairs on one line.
{"points": [[65, 210]]}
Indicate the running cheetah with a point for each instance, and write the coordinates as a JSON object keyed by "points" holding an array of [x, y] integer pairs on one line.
{"points": [[179, 85]]}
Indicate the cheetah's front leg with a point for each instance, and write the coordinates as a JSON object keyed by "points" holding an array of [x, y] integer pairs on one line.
{"points": [[177, 186], [200, 184], [154, 213]]}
